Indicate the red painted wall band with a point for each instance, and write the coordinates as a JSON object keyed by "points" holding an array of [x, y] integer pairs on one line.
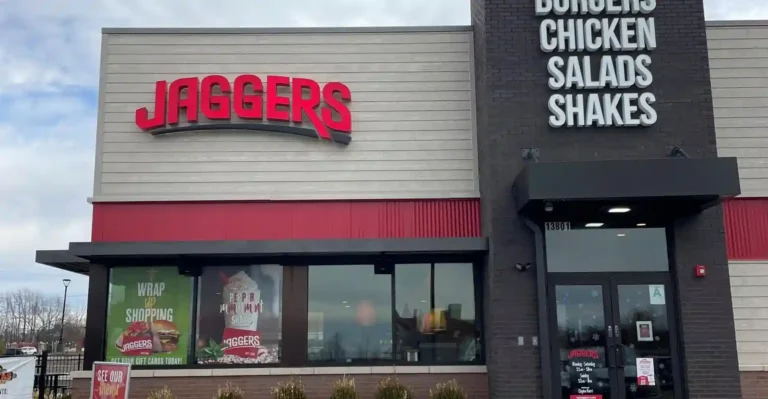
{"points": [[746, 221], [192, 221], [746, 228]]}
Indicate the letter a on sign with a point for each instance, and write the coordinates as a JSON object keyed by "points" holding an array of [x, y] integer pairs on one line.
{"points": [[656, 293]]}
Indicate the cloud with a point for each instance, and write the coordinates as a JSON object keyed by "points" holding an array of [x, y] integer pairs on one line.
{"points": [[55, 44], [736, 9], [46, 164], [49, 60], [64, 51]]}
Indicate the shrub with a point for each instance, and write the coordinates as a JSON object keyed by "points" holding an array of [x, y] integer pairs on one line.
{"points": [[344, 389], [51, 395], [447, 390], [164, 393], [291, 389], [229, 391], [391, 388]]}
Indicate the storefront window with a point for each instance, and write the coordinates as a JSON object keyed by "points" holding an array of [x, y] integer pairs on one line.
{"points": [[350, 314], [433, 320], [239, 315], [435, 305], [405, 313], [148, 319]]}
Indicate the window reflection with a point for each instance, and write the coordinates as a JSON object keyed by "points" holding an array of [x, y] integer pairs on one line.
{"points": [[607, 250], [435, 313], [350, 314], [433, 319]]}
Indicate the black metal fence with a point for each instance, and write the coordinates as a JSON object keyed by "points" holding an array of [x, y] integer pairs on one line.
{"points": [[52, 372]]}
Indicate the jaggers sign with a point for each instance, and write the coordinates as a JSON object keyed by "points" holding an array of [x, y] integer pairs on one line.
{"points": [[252, 101]]}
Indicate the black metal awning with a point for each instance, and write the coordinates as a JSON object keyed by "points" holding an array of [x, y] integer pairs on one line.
{"points": [[656, 188], [62, 259], [284, 251]]}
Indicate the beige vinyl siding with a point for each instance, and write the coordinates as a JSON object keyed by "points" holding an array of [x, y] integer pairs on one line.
{"points": [[412, 118], [749, 289], [738, 57]]}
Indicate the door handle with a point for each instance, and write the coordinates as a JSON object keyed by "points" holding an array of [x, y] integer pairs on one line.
{"points": [[618, 332], [610, 332], [620, 356], [610, 362]]}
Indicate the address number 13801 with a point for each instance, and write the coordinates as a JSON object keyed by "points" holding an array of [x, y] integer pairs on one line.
{"points": [[557, 226]]}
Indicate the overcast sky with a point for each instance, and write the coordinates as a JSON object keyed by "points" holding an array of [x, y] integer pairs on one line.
{"points": [[48, 77]]}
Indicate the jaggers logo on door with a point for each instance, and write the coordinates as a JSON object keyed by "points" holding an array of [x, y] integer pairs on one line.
{"points": [[6, 376], [252, 101]]}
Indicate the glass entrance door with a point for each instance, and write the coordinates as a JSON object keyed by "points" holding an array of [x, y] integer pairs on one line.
{"points": [[613, 337], [581, 345]]}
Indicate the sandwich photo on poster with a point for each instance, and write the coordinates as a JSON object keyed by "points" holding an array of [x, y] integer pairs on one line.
{"points": [[239, 315], [148, 321]]}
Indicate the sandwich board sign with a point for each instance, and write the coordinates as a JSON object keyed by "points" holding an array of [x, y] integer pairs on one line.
{"points": [[110, 380]]}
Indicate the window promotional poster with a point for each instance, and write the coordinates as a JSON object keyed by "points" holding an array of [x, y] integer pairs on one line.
{"points": [[239, 315], [149, 316]]}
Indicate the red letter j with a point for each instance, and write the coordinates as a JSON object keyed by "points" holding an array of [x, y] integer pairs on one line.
{"points": [[142, 114]]}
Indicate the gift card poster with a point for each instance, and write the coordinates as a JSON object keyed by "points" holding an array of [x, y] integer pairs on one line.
{"points": [[149, 316], [239, 317]]}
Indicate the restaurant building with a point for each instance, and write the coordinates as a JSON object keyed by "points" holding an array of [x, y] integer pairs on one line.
{"points": [[544, 204]]}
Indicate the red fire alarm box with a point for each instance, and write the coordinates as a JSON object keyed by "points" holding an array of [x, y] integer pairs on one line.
{"points": [[701, 270]]}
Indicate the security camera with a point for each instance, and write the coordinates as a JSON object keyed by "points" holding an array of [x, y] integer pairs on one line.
{"points": [[548, 207], [521, 267], [190, 270]]}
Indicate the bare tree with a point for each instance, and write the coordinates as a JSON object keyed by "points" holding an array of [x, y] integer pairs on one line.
{"points": [[30, 317]]}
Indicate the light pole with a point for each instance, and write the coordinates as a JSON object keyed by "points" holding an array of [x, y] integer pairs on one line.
{"points": [[66, 282]]}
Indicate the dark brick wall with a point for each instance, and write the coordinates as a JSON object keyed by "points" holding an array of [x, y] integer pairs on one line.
{"points": [[317, 386], [708, 334], [754, 384], [512, 94], [510, 300]]}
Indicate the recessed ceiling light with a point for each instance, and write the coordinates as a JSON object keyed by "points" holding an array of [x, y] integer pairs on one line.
{"points": [[594, 225], [621, 235], [344, 302], [619, 209], [641, 225], [347, 306]]}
